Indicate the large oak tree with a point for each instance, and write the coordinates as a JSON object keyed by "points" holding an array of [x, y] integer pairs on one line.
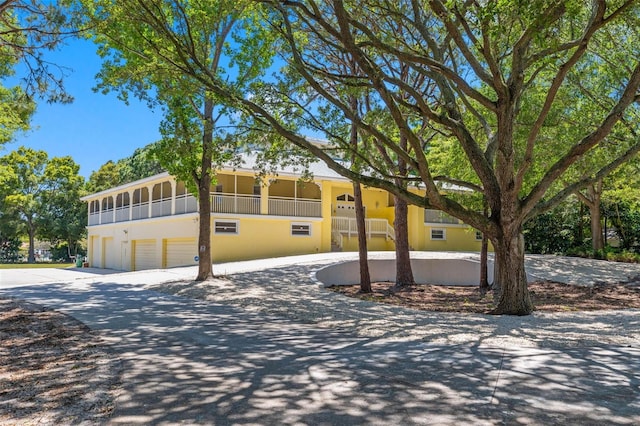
{"points": [[499, 77], [149, 49]]}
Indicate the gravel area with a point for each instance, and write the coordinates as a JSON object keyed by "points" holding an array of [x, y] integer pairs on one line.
{"points": [[293, 293], [53, 369]]}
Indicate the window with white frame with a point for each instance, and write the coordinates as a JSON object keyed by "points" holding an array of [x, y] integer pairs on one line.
{"points": [[478, 236], [438, 234], [301, 229], [225, 227]]}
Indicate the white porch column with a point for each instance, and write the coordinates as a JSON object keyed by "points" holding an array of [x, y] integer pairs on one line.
{"points": [[150, 191], [174, 187], [131, 204]]}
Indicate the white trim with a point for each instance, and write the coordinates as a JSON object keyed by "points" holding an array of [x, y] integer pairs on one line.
{"points": [[445, 225], [191, 215], [267, 216], [307, 224], [237, 227], [444, 234]]}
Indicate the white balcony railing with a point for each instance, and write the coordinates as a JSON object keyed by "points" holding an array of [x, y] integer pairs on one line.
{"points": [[106, 216], [186, 203], [161, 207], [140, 211], [437, 216], [122, 213], [373, 227], [235, 203], [281, 206], [94, 218]]}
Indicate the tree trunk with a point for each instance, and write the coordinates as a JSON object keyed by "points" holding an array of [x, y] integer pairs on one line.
{"points": [[597, 242], [205, 268], [365, 278], [404, 273], [363, 257], [484, 256], [510, 276], [484, 268], [32, 252], [592, 200]]}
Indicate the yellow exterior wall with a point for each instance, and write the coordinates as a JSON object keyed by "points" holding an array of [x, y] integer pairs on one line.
{"points": [[261, 237], [374, 200], [246, 184]]}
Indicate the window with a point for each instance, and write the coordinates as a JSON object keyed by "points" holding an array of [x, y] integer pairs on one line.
{"points": [[225, 227], [438, 234], [256, 189], [345, 197], [437, 216], [478, 236], [301, 229]]}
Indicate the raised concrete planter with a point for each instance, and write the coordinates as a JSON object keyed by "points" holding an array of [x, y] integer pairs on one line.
{"points": [[425, 271]]}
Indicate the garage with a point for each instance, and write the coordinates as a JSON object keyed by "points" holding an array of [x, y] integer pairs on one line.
{"points": [[179, 252], [144, 255], [109, 256], [94, 259]]}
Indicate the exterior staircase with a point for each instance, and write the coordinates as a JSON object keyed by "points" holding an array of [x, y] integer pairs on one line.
{"points": [[347, 226]]}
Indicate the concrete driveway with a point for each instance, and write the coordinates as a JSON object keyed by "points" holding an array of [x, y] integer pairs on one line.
{"points": [[192, 362]]}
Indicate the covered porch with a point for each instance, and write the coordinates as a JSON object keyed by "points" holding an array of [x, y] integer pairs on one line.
{"points": [[237, 194]]}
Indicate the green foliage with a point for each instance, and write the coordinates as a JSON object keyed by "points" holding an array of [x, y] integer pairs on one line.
{"points": [[557, 231], [625, 218], [139, 165], [63, 253], [64, 216], [107, 176], [9, 249], [28, 29], [43, 196], [16, 109]]}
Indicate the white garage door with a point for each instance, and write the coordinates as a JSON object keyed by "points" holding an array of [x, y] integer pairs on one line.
{"points": [[180, 252], [144, 255], [109, 255]]}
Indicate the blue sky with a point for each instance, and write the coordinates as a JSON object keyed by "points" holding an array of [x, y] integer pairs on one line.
{"points": [[94, 128]]}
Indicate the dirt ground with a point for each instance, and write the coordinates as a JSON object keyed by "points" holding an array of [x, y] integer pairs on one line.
{"points": [[53, 369], [546, 296]]}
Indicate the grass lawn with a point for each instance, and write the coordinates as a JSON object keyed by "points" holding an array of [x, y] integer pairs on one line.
{"points": [[35, 265]]}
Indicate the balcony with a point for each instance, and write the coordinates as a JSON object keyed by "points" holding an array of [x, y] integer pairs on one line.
{"points": [[282, 206], [140, 211], [186, 203], [122, 213], [437, 216], [161, 207], [94, 218], [235, 203], [106, 216]]}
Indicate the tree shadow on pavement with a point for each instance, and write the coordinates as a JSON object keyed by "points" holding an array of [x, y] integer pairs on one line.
{"points": [[203, 363]]}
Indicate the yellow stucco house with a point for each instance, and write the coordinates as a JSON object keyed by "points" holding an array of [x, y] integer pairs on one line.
{"points": [[153, 222]]}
